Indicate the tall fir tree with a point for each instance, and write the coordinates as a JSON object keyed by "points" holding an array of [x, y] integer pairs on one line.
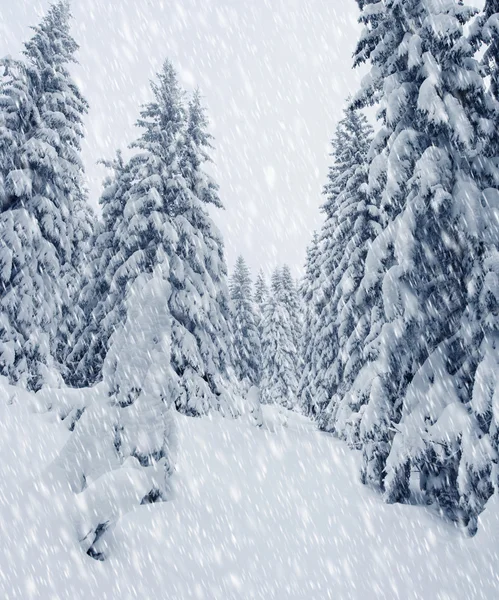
{"points": [[247, 350], [291, 300], [260, 298], [75, 278], [166, 308], [478, 476], [156, 206], [200, 301], [42, 198], [352, 222], [279, 355], [427, 264], [310, 293], [100, 310]]}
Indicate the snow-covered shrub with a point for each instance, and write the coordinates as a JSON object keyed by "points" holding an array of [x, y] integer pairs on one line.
{"points": [[122, 452]]}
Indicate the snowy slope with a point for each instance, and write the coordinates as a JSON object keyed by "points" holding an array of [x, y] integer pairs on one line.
{"points": [[274, 513]]}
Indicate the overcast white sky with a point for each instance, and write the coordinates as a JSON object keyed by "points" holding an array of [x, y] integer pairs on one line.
{"points": [[274, 73]]}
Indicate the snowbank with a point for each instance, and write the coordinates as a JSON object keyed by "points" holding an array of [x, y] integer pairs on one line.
{"points": [[272, 512]]}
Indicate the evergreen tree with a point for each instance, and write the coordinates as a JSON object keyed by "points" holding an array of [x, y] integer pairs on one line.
{"points": [[279, 355], [75, 278], [155, 206], [197, 148], [260, 298], [156, 194], [100, 311], [351, 314], [291, 301], [246, 339], [478, 476], [425, 267], [352, 221], [200, 301], [309, 291], [41, 198]]}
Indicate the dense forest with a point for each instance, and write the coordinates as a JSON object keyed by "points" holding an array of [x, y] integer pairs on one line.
{"points": [[119, 320]]}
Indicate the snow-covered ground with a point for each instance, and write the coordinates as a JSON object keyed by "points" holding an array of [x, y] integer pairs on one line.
{"points": [[271, 513]]}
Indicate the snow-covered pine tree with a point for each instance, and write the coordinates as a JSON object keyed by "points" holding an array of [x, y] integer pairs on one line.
{"points": [[352, 222], [169, 306], [42, 177], [200, 301], [260, 298], [478, 470], [359, 222], [426, 264], [100, 312], [164, 214], [309, 296], [279, 382], [291, 300], [75, 278], [197, 153], [140, 202], [478, 476], [247, 350]]}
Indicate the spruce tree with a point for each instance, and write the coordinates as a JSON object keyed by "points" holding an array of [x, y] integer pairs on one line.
{"points": [[75, 278], [200, 301], [309, 291], [166, 308], [42, 183], [350, 313], [352, 222], [247, 350], [260, 298], [279, 355], [425, 266], [291, 300], [478, 476], [156, 206], [196, 154], [100, 310]]}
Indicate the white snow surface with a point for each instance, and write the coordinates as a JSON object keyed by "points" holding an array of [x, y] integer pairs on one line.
{"points": [[272, 512]]}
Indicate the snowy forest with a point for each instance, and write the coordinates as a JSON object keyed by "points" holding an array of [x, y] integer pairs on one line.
{"points": [[172, 428]]}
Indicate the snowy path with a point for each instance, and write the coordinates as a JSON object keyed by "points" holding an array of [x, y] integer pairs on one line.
{"points": [[256, 514]]}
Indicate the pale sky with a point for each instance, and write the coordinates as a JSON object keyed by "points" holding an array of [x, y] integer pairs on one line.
{"points": [[275, 75]]}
